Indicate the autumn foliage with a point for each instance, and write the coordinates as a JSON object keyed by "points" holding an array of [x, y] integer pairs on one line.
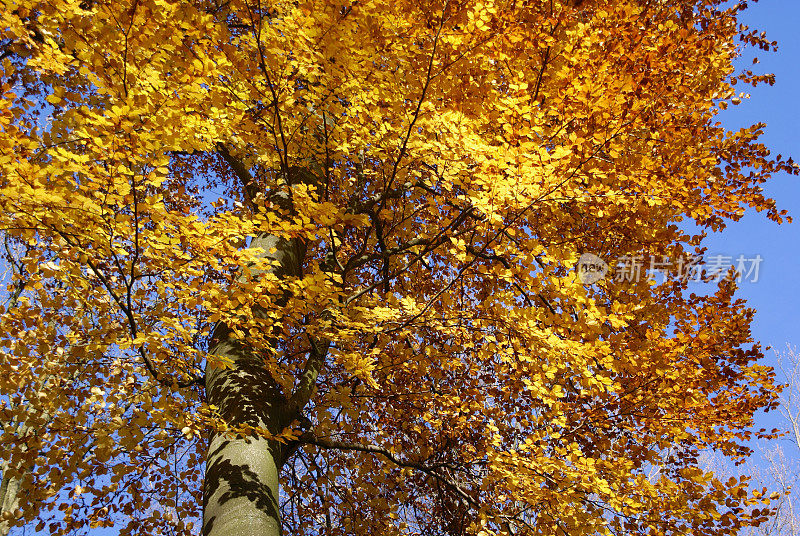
{"points": [[310, 265]]}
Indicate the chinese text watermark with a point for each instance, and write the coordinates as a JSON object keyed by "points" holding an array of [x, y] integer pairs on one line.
{"points": [[692, 268]]}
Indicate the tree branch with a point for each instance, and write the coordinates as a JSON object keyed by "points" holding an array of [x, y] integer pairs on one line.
{"points": [[248, 182], [308, 378], [311, 439]]}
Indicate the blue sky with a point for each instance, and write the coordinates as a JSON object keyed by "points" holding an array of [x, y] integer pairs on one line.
{"points": [[776, 295]]}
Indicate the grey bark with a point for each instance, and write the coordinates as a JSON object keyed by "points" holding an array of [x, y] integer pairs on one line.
{"points": [[9, 497], [241, 487], [10, 485]]}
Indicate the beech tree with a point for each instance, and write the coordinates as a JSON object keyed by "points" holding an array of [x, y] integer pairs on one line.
{"points": [[308, 267]]}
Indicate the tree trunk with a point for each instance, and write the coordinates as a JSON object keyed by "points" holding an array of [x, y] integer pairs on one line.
{"points": [[241, 481], [9, 498]]}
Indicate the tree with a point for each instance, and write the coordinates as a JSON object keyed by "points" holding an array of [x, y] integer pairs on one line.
{"points": [[307, 267], [781, 468], [776, 463]]}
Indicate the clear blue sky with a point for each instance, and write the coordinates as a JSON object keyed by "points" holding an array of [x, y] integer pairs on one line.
{"points": [[776, 295]]}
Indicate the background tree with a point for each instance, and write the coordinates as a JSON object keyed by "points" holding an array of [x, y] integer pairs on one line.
{"points": [[775, 463], [782, 457], [308, 266], [13, 280]]}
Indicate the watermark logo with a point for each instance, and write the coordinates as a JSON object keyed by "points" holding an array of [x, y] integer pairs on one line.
{"points": [[591, 268], [692, 268]]}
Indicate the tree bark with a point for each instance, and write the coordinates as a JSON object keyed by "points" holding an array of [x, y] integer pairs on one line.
{"points": [[241, 481], [241, 488], [9, 497]]}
